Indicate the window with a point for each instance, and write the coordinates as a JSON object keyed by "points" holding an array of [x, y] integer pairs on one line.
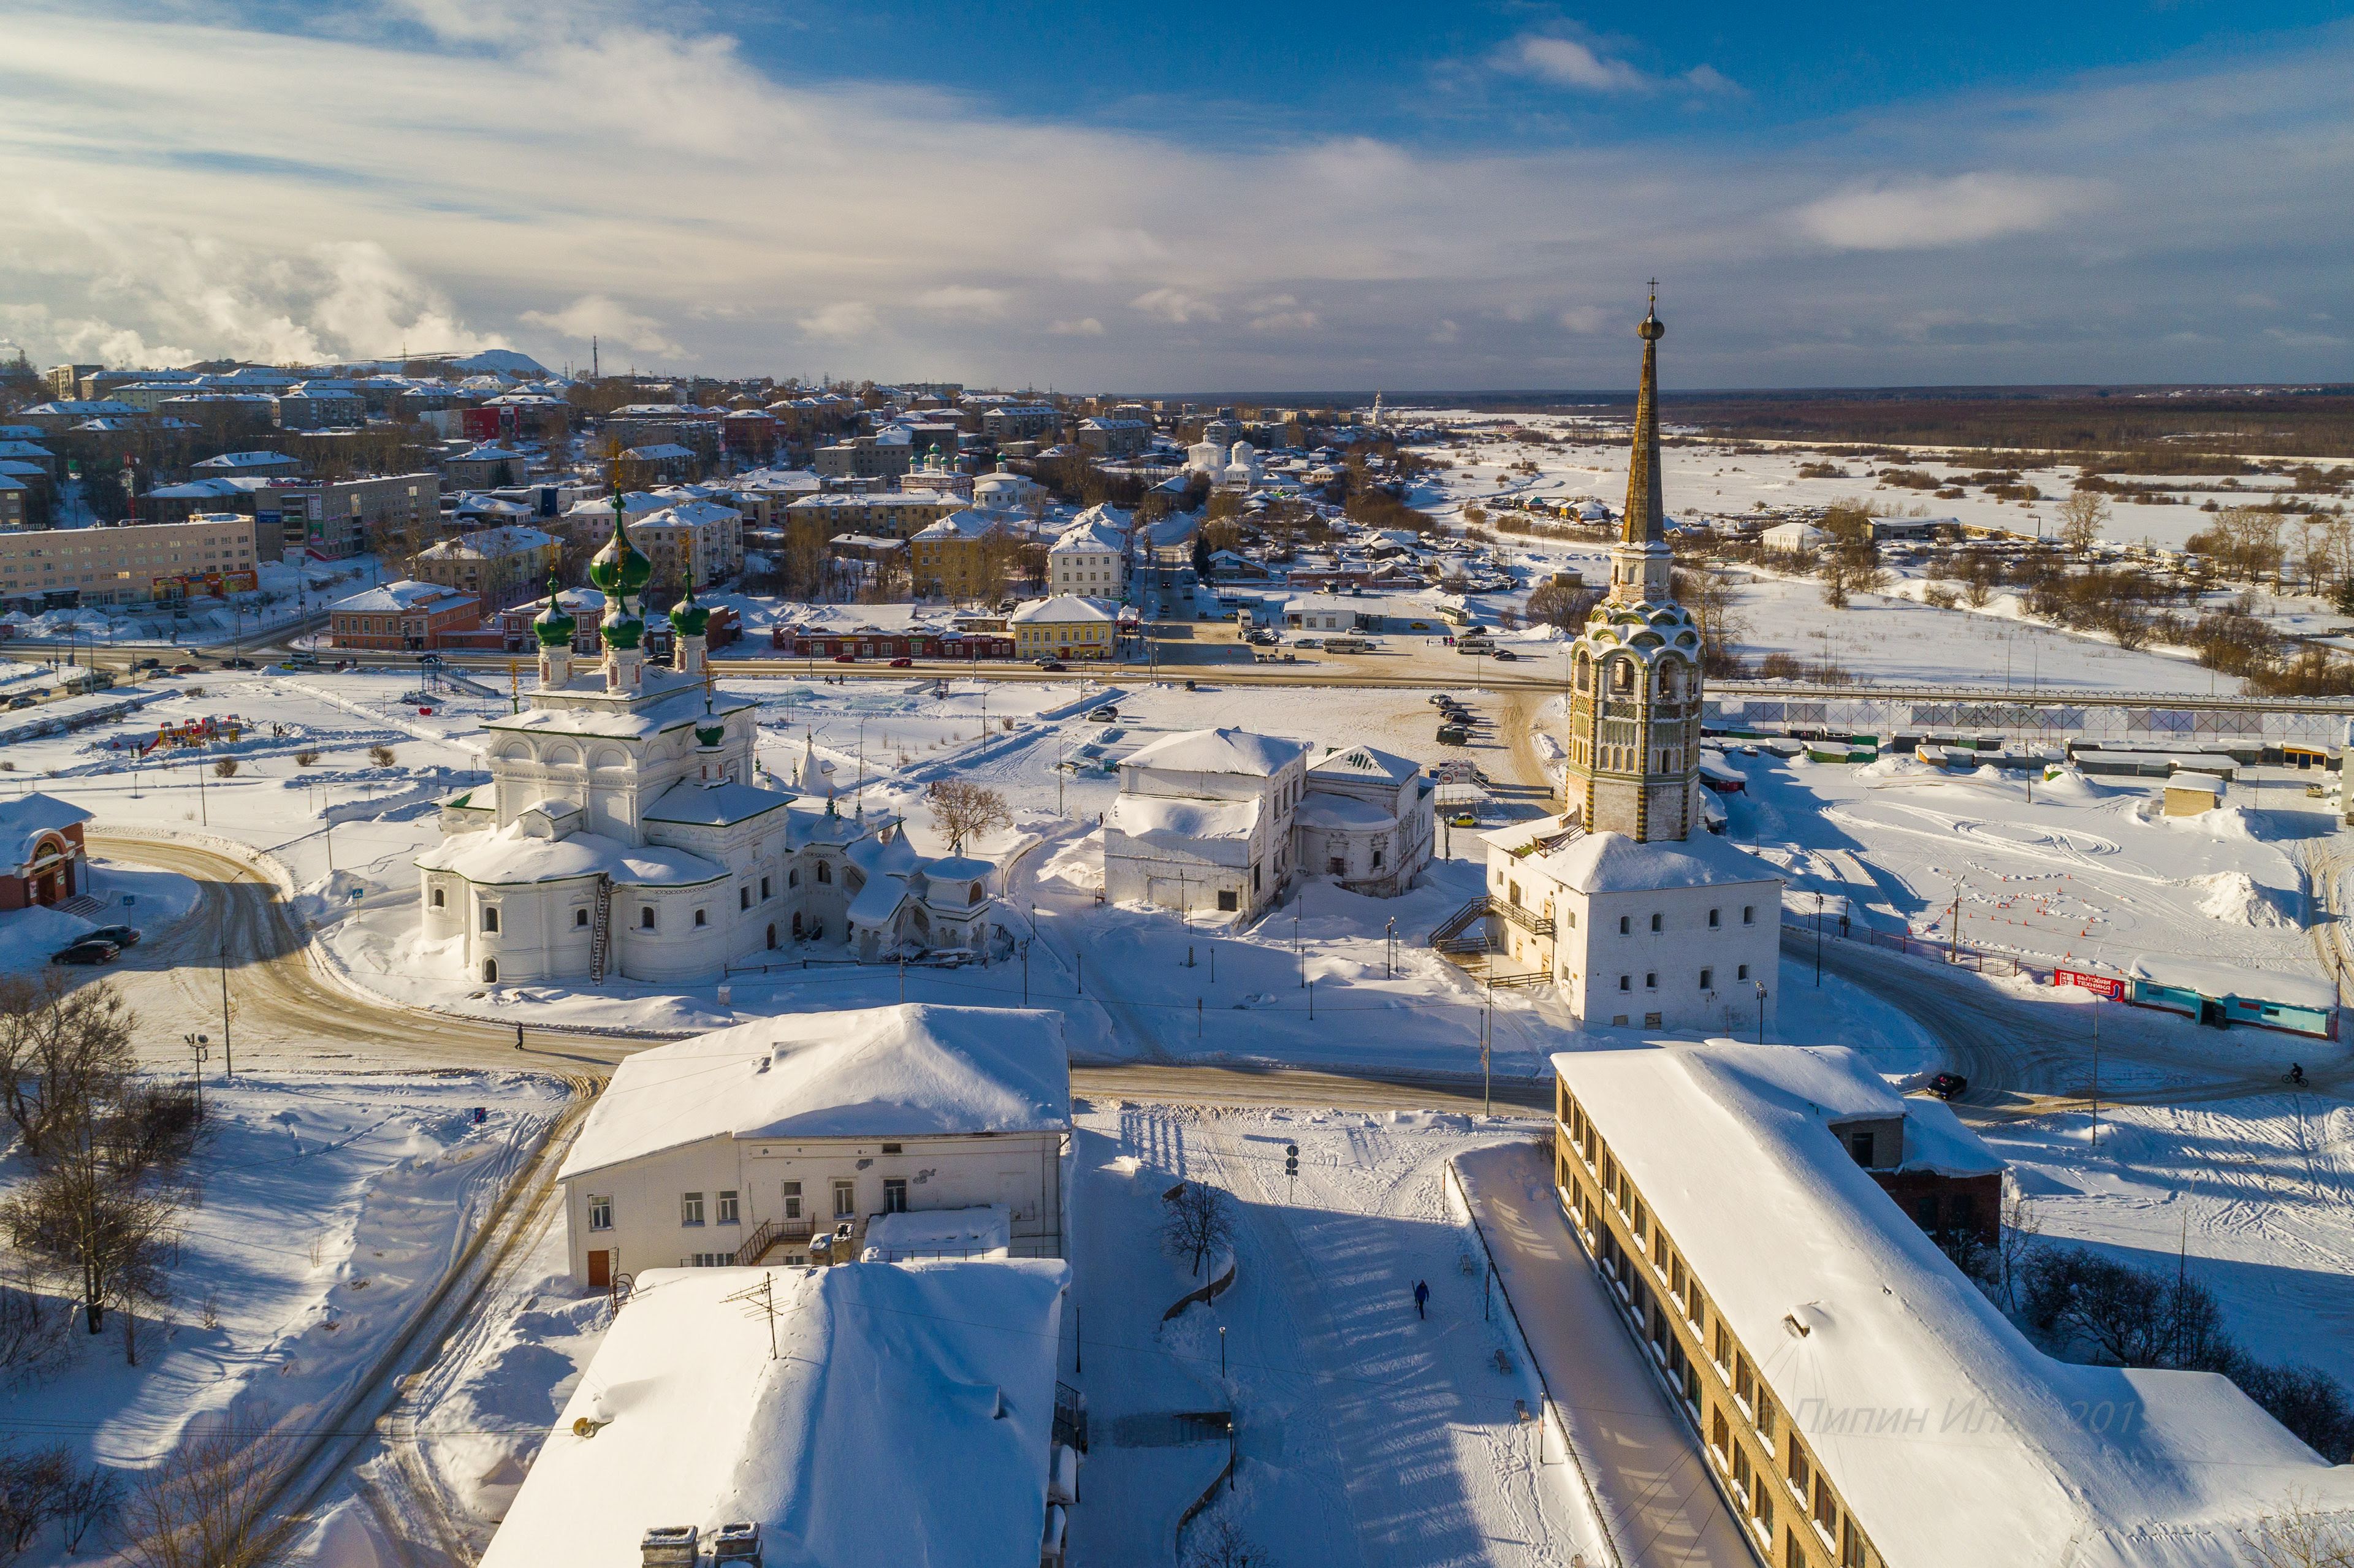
{"points": [[824, 871], [1749, 914], [646, 918], [1860, 1145], [895, 1149], [1708, 980], [699, 918], [1925, 1212], [1651, 980], [1625, 925], [1228, 898], [792, 1195], [1744, 1381], [1852, 1550], [895, 1194], [1825, 1510], [764, 890], [579, 917], [1625, 982], [1798, 1468], [1719, 1436], [690, 1209], [1377, 860], [1696, 1306], [845, 1199], [600, 1213], [729, 1214], [436, 898], [1741, 973], [1712, 918], [793, 877], [743, 901], [489, 916], [1655, 920]]}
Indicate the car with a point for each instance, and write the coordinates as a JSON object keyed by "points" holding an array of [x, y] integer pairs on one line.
{"points": [[183, 669], [89, 950], [903, 663], [845, 658], [239, 664], [302, 661], [1052, 664], [1948, 1086], [20, 701], [1465, 819], [1104, 715], [1441, 700], [120, 936], [1504, 656], [149, 664]]}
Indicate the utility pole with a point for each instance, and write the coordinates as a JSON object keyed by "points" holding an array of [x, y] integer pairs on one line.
{"points": [[1818, 938], [196, 1047], [2095, 1141], [228, 1055]]}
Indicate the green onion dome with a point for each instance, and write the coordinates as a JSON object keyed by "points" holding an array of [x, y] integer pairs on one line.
{"points": [[711, 734], [555, 625], [619, 628], [619, 568], [688, 618]]}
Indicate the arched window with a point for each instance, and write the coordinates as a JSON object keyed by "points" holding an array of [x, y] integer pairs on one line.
{"points": [[579, 917], [489, 916], [646, 917], [974, 896], [491, 970], [793, 877], [1585, 672], [1622, 674], [824, 871], [436, 898]]}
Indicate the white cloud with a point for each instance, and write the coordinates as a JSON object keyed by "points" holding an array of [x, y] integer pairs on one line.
{"points": [[1174, 305], [845, 320], [1565, 62], [593, 316], [1286, 320], [1584, 318], [1445, 332], [1932, 214], [981, 304], [1085, 326]]}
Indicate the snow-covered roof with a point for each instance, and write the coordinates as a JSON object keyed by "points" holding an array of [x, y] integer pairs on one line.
{"points": [[2220, 981], [1183, 818], [393, 599], [1936, 1141], [908, 1071], [985, 1229], [2203, 783], [659, 451], [1091, 531], [1218, 751], [904, 1415], [691, 514], [1062, 610], [488, 544], [1319, 810], [232, 461], [1366, 762], [509, 857], [965, 524], [1614, 862], [1951, 1437], [486, 452], [714, 805], [27, 817]]}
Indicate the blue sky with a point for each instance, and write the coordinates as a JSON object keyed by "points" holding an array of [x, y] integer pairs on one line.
{"points": [[1216, 196]]}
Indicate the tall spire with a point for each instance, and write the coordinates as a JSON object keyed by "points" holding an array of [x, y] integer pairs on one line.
{"points": [[1646, 521]]}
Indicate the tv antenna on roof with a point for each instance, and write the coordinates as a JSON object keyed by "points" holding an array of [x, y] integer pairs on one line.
{"points": [[760, 1300]]}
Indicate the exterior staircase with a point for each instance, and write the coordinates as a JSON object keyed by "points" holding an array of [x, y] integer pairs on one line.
{"points": [[600, 934]]}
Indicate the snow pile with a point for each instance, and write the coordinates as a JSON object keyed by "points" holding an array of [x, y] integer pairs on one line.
{"points": [[2237, 899], [28, 937], [329, 896], [1548, 747], [1078, 864]]}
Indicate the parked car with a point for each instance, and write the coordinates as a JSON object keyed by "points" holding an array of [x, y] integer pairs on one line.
{"points": [[183, 669], [1504, 655], [845, 658], [1441, 700], [903, 663], [239, 664], [1454, 735], [150, 662], [1466, 820], [20, 701], [120, 936], [89, 950], [1052, 664], [1104, 715], [302, 661], [1948, 1086]]}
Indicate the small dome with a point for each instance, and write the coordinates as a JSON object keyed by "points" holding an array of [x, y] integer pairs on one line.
{"points": [[688, 618], [554, 626], [710, 734], [1651, 329], [619, 568], [619, 628]]}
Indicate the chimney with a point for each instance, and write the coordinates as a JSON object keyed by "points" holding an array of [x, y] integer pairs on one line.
{"points": [[668, 1546], [737, 1543]]}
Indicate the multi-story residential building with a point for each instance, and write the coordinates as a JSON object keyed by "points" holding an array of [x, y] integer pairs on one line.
{"points": [[16, 500], [1064, 626], [692, 544], [1090, 558], [1022, 421], [497, 565], [393, 513], [959, 556], [320, 408], [65, 380], [62, 414], [402, 617], [881, 515], [867, 457], [1116, 437], [132, 564], [484, 467]]}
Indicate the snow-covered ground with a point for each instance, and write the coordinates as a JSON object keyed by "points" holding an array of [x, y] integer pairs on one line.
{"points": [[328, 1209], [287, 592], [131, 895]]}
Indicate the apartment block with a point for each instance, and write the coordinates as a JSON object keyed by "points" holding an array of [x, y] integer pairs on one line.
{"points": [[133, 564]]}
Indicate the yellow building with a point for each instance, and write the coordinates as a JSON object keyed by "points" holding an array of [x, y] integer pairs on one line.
{"points": [[132, 565], [497, 565], [959, 556], [1065, 627]]}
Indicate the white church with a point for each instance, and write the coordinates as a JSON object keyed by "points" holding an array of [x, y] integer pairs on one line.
{"points": [[1638, 915], [624, 830]]}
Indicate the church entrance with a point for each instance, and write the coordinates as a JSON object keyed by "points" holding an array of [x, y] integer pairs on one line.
{"points": [[772, 934]]}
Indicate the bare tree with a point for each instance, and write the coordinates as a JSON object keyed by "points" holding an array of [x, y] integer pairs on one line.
{"points": [[62, 1052], [202, 1507], [965, 809], [1200, 1220], [2014, 1244], [32, 1492], [83, 1210], [1220, 1544], [90, 1501], [2080, 517]]}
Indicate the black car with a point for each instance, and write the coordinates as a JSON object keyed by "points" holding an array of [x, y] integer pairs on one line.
{"points": [[89, 950], [120, 936], [239, 664], [1948, 1086]]}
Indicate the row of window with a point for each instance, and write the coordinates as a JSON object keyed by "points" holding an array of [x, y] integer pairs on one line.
{"points": [[726, 1208], [1809, 1490], [1707, 978], [490, 912]]}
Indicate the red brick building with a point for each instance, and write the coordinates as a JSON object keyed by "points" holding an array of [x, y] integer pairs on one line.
{"points": [[404, 617], [41, 855], [808, 642]]}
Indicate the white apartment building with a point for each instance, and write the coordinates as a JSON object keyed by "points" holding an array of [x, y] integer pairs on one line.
{"points": [[750, 1143], [1090, 558], [128, 565], [694, 542]]}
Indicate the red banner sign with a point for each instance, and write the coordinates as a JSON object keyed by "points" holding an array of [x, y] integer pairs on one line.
{"points": [[2110, 986]]}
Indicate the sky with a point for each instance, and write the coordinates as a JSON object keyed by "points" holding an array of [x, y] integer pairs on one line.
{"points": [[1211, 198]]}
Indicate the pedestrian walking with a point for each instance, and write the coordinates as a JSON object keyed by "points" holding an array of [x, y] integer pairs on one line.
{"points": [[1422, 1298], [518, 1036]]}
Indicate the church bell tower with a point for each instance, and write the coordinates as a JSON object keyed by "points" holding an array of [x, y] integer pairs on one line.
{"points": [[1635, 670]]}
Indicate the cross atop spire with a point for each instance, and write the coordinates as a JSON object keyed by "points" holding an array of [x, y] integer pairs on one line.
{"points": [[1646, 519]]}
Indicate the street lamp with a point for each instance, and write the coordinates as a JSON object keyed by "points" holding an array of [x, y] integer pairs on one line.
{"points": [[1389, 950], [1761, 1009], [196, 1047]]}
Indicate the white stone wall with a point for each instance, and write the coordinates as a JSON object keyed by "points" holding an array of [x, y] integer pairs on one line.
{"points": [[1663, 971]]}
